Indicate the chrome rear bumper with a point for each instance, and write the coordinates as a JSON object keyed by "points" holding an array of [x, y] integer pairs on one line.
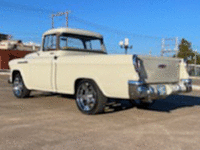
{"points": [[141, 90]]}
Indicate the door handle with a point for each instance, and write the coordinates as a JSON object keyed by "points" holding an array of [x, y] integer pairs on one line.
{"points": [[55, 57]]}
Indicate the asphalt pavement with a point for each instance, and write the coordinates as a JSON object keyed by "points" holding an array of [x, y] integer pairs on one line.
{"points": [[53, 122]]}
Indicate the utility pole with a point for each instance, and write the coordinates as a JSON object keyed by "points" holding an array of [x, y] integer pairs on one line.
{"points": [[66, 16], [195, 61], [169, 50], [66, 13]]}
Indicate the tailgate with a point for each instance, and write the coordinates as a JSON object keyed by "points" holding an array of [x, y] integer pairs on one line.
{"points": [[159, 69]]}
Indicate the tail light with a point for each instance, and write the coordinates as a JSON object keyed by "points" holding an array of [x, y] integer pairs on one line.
{"points": [[136, 63]]}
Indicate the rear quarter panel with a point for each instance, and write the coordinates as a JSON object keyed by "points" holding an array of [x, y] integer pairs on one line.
{"points": [[111, 73]]}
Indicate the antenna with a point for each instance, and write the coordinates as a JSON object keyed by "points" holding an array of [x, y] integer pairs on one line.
{"points": [[66, 13]]}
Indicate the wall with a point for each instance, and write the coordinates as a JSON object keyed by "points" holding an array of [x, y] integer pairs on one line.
{"points": [[7, 55]]}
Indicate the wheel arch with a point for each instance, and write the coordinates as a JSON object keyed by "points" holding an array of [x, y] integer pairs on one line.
{"points": [[14, 73], [77, 81]]}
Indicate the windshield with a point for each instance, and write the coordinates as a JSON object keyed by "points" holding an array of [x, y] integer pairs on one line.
{"points": [[70, 42]]}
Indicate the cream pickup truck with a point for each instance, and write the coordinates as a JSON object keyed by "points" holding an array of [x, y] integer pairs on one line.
{"points": [[73, 61]]}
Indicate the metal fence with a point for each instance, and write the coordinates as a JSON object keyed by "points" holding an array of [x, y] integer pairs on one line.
{"points": [[194, 70]]}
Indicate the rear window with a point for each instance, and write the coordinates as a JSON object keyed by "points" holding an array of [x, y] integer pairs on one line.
{"points": [[69, 42]]}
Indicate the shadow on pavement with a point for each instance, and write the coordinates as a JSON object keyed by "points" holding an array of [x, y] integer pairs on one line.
{"points": [[42, 94], [165, 105], [175, 102]]}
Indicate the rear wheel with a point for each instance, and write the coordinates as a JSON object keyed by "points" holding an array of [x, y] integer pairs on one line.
{"points": [[142, 103], [148, 103], [19, 89], [89, 98]]}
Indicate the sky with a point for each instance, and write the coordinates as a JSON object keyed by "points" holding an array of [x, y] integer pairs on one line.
{"points": [[144, 22]]}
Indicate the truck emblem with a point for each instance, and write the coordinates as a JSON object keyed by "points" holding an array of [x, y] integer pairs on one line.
{"points": [[162, 66]]}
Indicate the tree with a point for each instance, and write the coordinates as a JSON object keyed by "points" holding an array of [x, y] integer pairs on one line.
{"points": [[185, 51]]}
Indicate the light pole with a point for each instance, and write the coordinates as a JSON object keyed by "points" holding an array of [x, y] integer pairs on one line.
{"points": [[125, 44], [195, 61]]}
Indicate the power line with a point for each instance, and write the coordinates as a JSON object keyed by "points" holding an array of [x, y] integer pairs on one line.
{"points": [[22, 7], [109, 29]]}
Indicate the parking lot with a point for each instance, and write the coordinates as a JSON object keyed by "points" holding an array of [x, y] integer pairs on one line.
{"points": [[53, 122]]}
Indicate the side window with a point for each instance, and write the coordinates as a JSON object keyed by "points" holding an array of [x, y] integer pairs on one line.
{"points": [[49, 42]]}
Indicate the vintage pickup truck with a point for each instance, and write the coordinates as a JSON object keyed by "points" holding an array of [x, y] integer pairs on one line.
{"points": [[73, 61]]}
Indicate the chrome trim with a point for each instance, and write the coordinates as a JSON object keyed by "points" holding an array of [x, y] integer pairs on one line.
{"points": [[161, 89], [188, 84], [142, 90], [146, 92], [136, 63], [186, 80], [134, 59], [86, 97], [135, 82], [151, 90]]}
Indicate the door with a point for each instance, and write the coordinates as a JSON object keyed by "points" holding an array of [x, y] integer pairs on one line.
{"points": [[42, 67]]}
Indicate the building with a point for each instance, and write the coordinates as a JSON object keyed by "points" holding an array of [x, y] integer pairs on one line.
{"points": [[11, 49], [7, 55], [18, 45], [3, 37]]}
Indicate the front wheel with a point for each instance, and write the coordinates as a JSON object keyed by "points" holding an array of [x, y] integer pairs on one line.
{"points": [[19, 89], [89, 98]]}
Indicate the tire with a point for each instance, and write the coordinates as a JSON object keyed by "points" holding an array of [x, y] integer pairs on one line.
{"points": [[89, 98], [19, 89], [147, 104], [141, 103]]}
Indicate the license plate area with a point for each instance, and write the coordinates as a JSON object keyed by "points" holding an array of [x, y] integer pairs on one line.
{"points": [[161, 90]]}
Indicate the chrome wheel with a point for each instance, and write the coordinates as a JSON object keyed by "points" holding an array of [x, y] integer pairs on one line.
{"points": [[19, 89], [17, 86], [86, 97]]}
